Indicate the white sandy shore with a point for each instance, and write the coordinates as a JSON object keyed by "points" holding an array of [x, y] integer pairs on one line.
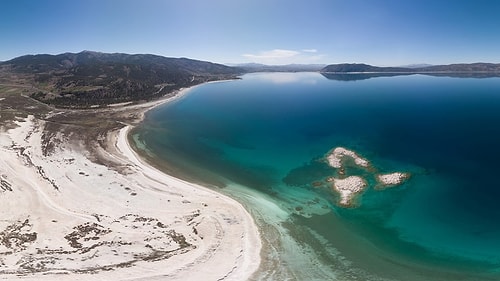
{"points": [[65, 217]]}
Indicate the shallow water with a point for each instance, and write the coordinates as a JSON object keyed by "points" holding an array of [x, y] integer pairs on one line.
{"points": [[263, 137]]}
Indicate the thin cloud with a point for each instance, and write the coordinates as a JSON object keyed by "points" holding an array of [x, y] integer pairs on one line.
{"points": [[284, 56], [273, 54]]}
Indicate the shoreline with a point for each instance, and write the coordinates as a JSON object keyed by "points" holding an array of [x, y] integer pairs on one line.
{"points": [[92, 208], [252, 245]]}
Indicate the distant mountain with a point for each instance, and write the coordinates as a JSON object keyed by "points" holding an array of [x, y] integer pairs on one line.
{"points": [[93, 78], [355, 76], [451, 68], [361, 67], [256, 67], [466, 68]]}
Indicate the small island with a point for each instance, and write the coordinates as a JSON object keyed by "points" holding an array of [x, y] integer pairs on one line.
{"points": [[348, 188], [393, 179], [336, 156]]}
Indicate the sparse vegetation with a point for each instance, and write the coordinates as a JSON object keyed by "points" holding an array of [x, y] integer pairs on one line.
{"points": [[90, 79]]}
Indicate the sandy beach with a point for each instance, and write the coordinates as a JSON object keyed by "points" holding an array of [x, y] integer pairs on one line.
{"points": [[78, 203]]}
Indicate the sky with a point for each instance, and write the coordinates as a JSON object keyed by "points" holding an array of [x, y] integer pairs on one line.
{"points": [[378, 32]]}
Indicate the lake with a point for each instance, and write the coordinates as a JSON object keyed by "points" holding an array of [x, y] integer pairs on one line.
{"points": [[263, 139]]}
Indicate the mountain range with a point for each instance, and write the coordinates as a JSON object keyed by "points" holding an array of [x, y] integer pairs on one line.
{"points": [[88, 79], [92, 78]]}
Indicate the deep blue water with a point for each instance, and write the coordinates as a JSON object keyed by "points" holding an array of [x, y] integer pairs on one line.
{"points": [[269, 132]]}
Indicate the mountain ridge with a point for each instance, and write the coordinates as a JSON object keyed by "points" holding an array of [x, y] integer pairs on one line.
{"points": [[92, 78]]}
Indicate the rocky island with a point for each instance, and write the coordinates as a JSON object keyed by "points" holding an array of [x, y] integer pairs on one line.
{"points": [[392, 179], [336, 157], [349, 186]]}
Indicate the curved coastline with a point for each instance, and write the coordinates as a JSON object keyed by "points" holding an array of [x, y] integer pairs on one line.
{"points": [[93, 209], [248, 260]]}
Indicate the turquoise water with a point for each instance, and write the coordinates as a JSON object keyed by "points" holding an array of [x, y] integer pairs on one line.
{"points": [[268, 133]]}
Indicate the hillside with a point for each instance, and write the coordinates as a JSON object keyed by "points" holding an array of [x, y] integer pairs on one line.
{"points": [[361, 67], [91, 78]]}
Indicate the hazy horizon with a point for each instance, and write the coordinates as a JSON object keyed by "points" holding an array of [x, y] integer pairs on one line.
{"points": [[376, 32], [235, 63]]}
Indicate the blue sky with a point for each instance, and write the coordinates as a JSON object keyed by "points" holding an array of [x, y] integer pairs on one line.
{"points": [[380, 32]]}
